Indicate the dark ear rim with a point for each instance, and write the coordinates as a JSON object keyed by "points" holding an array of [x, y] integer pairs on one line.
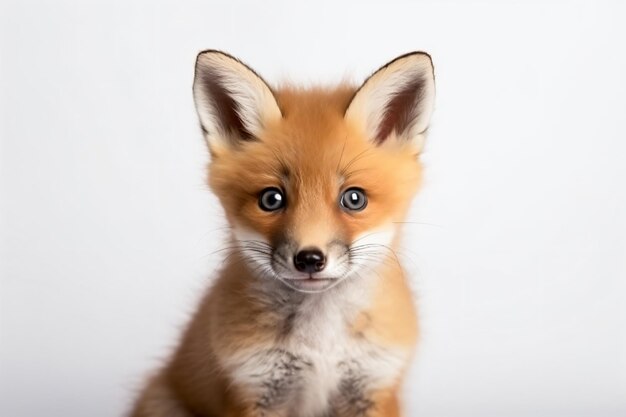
{"points": [[239, 61], [388, 64]]}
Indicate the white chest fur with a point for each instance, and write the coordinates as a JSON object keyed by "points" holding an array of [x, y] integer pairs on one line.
{"points": [[318, 365]]}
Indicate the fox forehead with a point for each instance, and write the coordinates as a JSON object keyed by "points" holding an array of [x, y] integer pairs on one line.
{"points": [[313, 116], [312, 146]]}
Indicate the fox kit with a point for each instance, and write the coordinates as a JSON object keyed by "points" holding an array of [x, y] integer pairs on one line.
{"points": [[311, 315]]}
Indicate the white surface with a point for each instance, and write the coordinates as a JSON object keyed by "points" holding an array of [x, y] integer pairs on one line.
{"points": [[107, 228]]}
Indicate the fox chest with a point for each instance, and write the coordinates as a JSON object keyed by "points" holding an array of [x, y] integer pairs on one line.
{"points": [[320, 372]]}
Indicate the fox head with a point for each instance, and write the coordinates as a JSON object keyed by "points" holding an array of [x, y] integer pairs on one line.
{"points": [[314, 182]]}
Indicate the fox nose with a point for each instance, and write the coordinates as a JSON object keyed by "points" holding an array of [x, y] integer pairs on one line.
{"points": [[309, 260]]}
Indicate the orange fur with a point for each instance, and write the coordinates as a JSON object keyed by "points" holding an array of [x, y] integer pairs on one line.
{"points": [[312, 152]]}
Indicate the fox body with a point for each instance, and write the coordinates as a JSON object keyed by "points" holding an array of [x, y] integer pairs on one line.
{"points": [[311, 315]]}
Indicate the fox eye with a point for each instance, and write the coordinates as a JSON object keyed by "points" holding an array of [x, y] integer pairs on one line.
{"points": [[271, 199], [353, 199]]}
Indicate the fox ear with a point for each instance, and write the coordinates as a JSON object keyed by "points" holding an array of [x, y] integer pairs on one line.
{"points": [[233, 102], [396, 100]]}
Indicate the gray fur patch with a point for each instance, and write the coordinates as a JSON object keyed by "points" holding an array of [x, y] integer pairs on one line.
{"points": [[281, 380], [352, 400]]}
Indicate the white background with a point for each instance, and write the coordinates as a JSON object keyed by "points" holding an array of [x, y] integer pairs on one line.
{"points": [[519, 257]]}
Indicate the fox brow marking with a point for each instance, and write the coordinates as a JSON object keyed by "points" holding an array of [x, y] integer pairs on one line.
{"points": [[284, 168]]}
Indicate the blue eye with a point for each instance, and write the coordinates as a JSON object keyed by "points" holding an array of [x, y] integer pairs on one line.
{"points": [[353, 199], [271, 199]]}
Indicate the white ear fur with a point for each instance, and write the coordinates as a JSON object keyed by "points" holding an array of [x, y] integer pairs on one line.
{"points": [[232, 101], [396, 100]]}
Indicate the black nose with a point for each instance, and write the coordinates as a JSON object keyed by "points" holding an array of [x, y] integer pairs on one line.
{"points": [[309, 260]]}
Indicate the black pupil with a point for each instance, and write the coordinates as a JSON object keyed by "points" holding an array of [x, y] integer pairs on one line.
{"points": [[273, 199]]}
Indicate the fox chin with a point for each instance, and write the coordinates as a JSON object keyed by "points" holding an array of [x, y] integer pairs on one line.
{"points": [[311, 315]]}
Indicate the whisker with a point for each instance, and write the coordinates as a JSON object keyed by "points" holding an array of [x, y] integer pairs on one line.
{"points": [[344, 170]]}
